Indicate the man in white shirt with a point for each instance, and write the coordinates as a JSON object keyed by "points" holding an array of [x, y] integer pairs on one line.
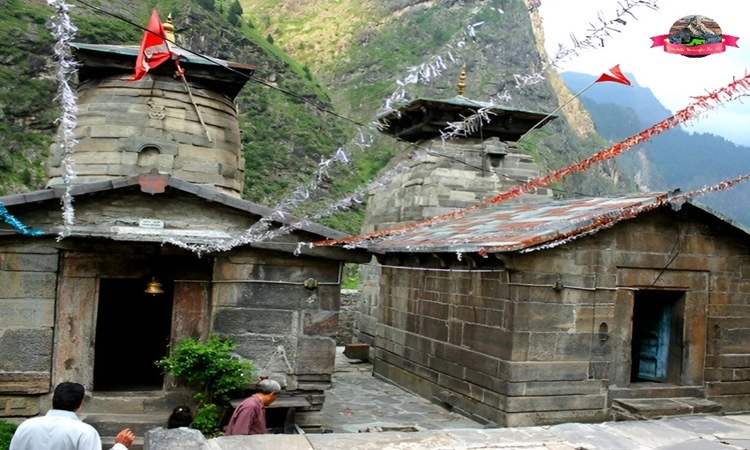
{"points": [[61, 429]]}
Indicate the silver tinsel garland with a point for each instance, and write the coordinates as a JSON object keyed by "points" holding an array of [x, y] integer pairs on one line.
{"points": [[64, 32]]}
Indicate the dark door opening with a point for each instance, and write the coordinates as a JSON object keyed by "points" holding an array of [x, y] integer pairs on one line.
{"points": [[132, 332], [657, 336]]}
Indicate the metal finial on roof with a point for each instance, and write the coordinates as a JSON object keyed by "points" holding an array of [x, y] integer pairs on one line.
{"points": [[169, 29], [462, 81]]}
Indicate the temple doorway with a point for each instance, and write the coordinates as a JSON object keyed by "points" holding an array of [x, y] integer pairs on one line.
{"points": [[132, 332]]}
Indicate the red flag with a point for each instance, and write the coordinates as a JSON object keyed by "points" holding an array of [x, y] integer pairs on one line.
{"points": [[617, 76], [154, 49]]}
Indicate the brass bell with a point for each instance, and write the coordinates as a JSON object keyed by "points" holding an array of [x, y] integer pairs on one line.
{"points": [[154, 287]]}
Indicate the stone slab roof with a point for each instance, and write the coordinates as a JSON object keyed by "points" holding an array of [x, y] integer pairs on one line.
{"points": [[424, 117], [508, 228], [226, 76], [155, 184]]}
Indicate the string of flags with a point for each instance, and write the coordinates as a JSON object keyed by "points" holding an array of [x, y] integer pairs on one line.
{"points": [[609, 220], [702, 104]]}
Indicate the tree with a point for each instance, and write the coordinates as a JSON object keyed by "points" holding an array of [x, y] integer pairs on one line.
{"points": [[234, 15], [269, 38], [208, 5]]}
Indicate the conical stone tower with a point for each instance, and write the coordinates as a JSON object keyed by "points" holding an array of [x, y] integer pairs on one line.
{"points": [[186, 128], [455, 173]]}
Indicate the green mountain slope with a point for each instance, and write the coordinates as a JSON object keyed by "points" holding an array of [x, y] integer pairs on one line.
{"points": [[283, 137], [358, 50], [361, 49]]}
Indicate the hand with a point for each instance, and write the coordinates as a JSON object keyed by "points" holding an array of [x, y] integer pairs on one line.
{"points": [[125, 437]]}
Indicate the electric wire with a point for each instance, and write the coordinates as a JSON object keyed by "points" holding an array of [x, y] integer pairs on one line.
{"points": [[296, 96]]}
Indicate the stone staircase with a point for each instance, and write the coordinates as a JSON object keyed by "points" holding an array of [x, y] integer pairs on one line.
{"points": [[655, 400], [110, 412]]}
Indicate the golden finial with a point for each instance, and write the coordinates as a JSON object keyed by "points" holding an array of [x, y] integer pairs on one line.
{"points": [[169, 29], [462, 81]]}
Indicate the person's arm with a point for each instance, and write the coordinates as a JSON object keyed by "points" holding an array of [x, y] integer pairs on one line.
{"points": [[123, 440]]}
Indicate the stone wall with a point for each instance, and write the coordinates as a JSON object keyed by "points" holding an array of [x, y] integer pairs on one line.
{"points": [[126, 128], [28, 276], [546, 337], [285, 328], [366, 316], [345, 333], [456, 174]]}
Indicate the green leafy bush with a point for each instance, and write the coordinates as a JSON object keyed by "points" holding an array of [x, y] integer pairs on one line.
{"points": [[210, 369], [6, 433]]}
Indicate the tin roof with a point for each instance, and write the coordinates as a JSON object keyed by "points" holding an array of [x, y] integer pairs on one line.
{"points": [[507, 228], [424, 117]]}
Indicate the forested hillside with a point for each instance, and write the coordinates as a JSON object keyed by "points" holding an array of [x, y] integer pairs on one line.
{"points": [[347, 56]]}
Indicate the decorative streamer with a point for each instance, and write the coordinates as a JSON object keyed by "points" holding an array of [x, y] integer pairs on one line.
{"points": [[702, 104], [595, 38], [64, 31], [468, 126], [16, 224], [628, 213], [423, 73], [260, 231]]}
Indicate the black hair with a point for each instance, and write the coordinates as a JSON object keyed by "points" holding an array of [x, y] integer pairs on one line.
{"points": [[68, 396], [180, 417]]}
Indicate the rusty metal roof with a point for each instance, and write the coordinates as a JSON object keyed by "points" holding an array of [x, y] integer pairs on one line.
{"points": [[507, 228]]}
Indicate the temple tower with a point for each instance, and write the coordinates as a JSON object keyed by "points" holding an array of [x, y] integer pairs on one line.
{"points": [[442, 176], [187, 128]]}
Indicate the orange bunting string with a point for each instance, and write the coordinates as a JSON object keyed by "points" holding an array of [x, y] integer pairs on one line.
{"points": [[627, 213], [702, 104]]}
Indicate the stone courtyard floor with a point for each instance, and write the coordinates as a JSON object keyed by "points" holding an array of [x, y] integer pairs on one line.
{"points": [[357, 401]]}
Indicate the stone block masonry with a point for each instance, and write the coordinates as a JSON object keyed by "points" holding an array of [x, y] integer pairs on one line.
{"points": [[27, 310], [120, 124], [547, 337], [284, 328]]}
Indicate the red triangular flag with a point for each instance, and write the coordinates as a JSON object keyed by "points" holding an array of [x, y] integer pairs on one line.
{"points": [[154, 49], [617, 76]]}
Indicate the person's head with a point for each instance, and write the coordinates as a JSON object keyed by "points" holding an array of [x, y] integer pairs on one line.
{"points": [[268, 391], [68, 396], [181, 417]]}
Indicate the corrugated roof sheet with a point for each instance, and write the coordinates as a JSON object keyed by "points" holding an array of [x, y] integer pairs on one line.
{"points": [[505, 228]]}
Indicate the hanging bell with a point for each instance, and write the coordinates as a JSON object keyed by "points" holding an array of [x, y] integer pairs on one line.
{"points": [[154, 287]]}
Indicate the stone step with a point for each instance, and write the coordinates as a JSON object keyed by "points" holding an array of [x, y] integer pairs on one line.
{"points": [[135, 402], [655, 408], [656, 390], [108, 425]]}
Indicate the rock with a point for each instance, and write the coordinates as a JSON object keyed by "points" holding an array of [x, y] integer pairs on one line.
{"points": [[174, 439]]}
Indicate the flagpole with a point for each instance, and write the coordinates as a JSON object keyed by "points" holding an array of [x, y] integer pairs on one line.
{"points": [[558, 109], [192, 100]]}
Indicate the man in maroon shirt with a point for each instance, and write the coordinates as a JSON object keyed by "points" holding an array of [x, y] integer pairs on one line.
{"points": [[250, 415]]}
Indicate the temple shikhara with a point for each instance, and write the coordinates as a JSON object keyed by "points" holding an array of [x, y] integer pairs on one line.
{"points": [[158, 159], [535, 311]]}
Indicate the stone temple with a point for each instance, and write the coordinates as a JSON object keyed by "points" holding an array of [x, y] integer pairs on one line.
{"points": [[159, 162]]}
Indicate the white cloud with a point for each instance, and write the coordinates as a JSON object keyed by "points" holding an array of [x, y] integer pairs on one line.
{"points": [[672, 78]]}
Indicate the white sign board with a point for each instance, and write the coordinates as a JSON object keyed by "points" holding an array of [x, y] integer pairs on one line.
{"points": [[151, 223]]}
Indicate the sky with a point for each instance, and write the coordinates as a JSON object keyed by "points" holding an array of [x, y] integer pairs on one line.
{"points": [[672, 78]]}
